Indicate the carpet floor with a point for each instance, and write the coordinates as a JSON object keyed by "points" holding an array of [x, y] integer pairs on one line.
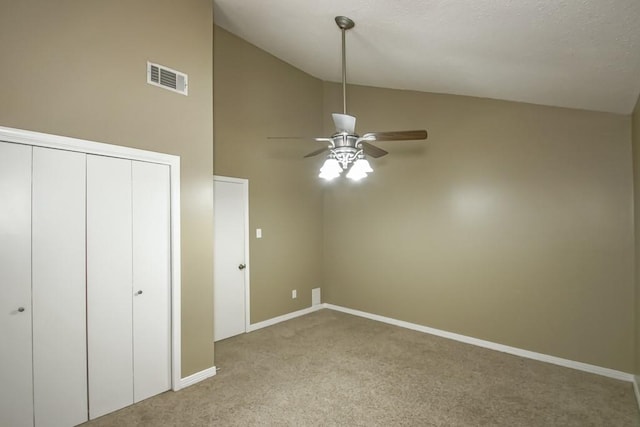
{"points": [[333, 369]]}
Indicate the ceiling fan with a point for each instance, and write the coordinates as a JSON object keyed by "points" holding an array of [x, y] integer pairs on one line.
{"points": [[346, 148]]}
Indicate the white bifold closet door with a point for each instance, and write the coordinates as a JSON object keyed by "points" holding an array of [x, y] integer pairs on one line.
{"points": [[128, 282], [16, 393], [151, 280], [109, 284], [58, 288]]}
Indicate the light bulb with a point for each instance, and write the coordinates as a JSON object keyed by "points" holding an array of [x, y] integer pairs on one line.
{"points": [[328, 175], [331, 165], [356, 172], [363, 165], [330, 169]]}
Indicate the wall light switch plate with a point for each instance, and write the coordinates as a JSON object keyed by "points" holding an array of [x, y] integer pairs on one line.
{"points": [[294, 294], [258, 233]]}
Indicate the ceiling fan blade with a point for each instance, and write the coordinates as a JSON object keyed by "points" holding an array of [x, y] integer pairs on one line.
{"points": [[289, 137], [344, 123], [401, 135], [315, 153], [372, 150], [301, 138]]}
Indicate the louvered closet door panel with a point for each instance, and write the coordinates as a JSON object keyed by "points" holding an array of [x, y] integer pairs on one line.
{"points": [[16, 398], [151, 280], [58, 284], [109, 281]]}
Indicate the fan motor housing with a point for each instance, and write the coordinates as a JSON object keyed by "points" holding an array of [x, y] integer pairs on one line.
{"points": [[344, 140]]}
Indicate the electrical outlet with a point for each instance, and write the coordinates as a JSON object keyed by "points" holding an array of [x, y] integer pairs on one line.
{"points": [[294, 294]]}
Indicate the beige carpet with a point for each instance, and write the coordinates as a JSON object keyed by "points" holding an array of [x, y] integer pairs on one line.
{"points": [[333, 369]]}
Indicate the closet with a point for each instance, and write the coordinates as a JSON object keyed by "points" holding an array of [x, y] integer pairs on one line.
{"points": [[85, 275]]}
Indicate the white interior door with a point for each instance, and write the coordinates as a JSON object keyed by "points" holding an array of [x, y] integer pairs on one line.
{"points": [[109, 284], [59, 288], [151, 280], [16, 398], [230, 265]]}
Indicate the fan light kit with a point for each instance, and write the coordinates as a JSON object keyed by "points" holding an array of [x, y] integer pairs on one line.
{"points": [[348, 150]]}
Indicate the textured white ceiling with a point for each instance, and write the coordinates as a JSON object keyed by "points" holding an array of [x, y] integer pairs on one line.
{"points": [[568, 53]]}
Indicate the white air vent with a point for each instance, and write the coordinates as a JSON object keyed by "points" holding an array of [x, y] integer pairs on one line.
{"points": [[159, 75]]}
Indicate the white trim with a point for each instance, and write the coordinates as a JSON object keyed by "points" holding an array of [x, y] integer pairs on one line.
{"points": [[197, 377], [176, 277], [611, 373], [636, 389], [247, 234], [288, 316], [38, 139]]}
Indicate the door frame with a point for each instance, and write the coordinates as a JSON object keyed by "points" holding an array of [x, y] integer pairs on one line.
{"points": [[38, 139], [247, 276]]}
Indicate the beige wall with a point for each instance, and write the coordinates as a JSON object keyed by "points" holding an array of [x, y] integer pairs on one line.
{"points": [[257, 95], [635, 132], [513, 223], [78, 68]]}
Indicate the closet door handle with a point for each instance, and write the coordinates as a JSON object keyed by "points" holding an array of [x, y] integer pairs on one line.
{"points": [[20, 309], [139, 293]]}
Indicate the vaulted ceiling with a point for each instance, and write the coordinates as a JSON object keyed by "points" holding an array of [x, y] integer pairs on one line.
{"points": [[569, 53]]}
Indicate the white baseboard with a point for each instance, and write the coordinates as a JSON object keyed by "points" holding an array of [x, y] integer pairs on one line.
{"points": [[611, 373], [288, 316], [636, 389], [196, 378]]}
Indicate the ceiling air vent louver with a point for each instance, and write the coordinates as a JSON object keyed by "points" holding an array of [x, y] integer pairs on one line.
{"points": [[164, 77]]}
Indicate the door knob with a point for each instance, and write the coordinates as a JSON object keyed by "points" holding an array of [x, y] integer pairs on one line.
{"points": [[21, 309], [139, 293], [242, 267]]}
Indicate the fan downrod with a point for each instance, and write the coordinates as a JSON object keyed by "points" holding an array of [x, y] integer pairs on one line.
{"points": [[344, 23]]}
